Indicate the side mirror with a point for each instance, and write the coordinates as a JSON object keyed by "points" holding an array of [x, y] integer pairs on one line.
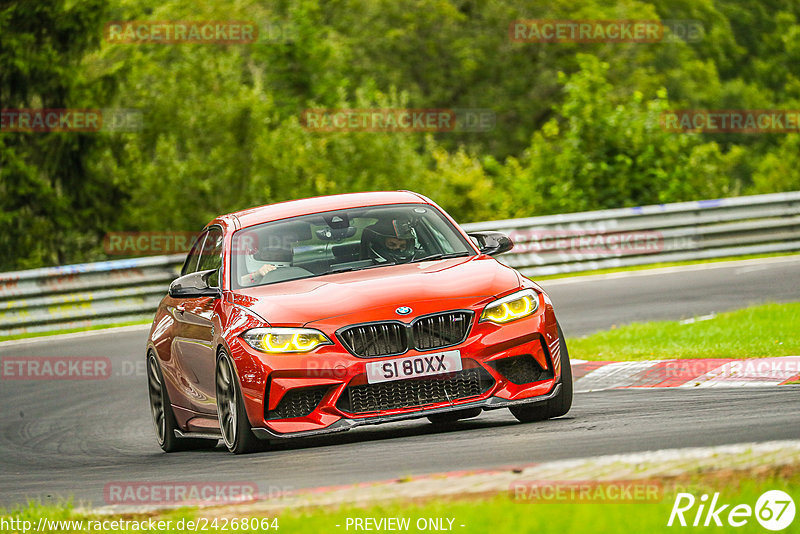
{"points": [[194, 285], [492, 243]]}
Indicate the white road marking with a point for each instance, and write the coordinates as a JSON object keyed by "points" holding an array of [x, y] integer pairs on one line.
{"points": [[752, 372], [612, 375]]}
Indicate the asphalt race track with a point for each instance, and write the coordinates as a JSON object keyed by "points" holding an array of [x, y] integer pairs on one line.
{"points": [[71, 438]]}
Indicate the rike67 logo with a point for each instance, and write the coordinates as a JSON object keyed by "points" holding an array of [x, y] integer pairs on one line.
{"points": [[774, 510]]}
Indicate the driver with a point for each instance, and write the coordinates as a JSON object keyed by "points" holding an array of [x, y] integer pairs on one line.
{"points": [[391, 241]]}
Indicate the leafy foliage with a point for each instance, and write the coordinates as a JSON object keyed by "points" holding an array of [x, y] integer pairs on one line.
{"points": [[50, 206], [577, 125]]}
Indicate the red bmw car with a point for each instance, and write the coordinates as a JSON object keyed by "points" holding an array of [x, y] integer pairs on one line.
{"points": [[319, 315]]}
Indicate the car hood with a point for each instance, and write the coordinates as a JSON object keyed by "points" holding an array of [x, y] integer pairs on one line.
{"points": [[359, 295]]}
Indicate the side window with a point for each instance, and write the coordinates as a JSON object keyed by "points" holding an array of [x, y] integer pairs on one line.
{"points": [[190, 265], [211, 257], [444, 245]]}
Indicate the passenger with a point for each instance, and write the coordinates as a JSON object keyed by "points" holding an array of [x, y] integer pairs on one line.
{"points": [[270, 259]]}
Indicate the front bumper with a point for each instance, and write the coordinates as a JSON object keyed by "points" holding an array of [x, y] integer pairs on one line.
{"points": [[269, 380]]}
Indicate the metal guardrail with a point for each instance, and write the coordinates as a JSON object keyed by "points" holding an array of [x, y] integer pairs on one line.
{"points": [[681, 231], [85, 295]]}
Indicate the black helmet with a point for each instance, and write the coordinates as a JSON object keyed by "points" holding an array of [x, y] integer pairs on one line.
{"points": [[381, 241]]}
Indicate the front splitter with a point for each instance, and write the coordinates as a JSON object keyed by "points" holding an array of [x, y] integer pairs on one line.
{"points": [[345, 424]]}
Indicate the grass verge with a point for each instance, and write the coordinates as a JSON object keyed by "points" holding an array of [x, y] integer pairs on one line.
{"points": [[499, 513], [755, 332]]}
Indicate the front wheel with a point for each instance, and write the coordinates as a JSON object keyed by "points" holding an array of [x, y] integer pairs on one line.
{"points": [[236, 431], [558, 405], [163, 417]]}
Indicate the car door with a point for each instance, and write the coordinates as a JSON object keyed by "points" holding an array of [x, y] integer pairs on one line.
{"points": [[192, 344]]}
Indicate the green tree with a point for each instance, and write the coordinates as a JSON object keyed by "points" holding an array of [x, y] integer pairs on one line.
{"points": [[51, 208], [602, 151]]}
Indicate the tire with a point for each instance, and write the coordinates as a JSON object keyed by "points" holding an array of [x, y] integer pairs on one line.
{"points": [[561, 403], [452, 417], [164, 421], [237, 434]]}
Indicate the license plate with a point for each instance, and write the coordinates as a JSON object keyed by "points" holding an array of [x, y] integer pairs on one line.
{"points": [[414, 366]]}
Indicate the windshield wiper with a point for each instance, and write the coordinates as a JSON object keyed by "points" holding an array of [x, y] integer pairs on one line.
{"points": [[340, 270], [441, 256], [348, 269]]}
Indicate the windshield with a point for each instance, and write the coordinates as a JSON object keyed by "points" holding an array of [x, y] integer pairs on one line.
{"points": [[343, 240]]}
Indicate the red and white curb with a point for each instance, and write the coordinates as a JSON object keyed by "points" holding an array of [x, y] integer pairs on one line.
{"points": [[703, 373]]}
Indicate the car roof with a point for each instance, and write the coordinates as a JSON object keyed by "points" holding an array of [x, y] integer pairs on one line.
{"points": [[307, 206]]}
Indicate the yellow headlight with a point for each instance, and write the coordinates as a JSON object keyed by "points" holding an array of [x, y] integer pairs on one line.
{"points": [[306, 342], [276, 342], [285, 340], [510, 308]]}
